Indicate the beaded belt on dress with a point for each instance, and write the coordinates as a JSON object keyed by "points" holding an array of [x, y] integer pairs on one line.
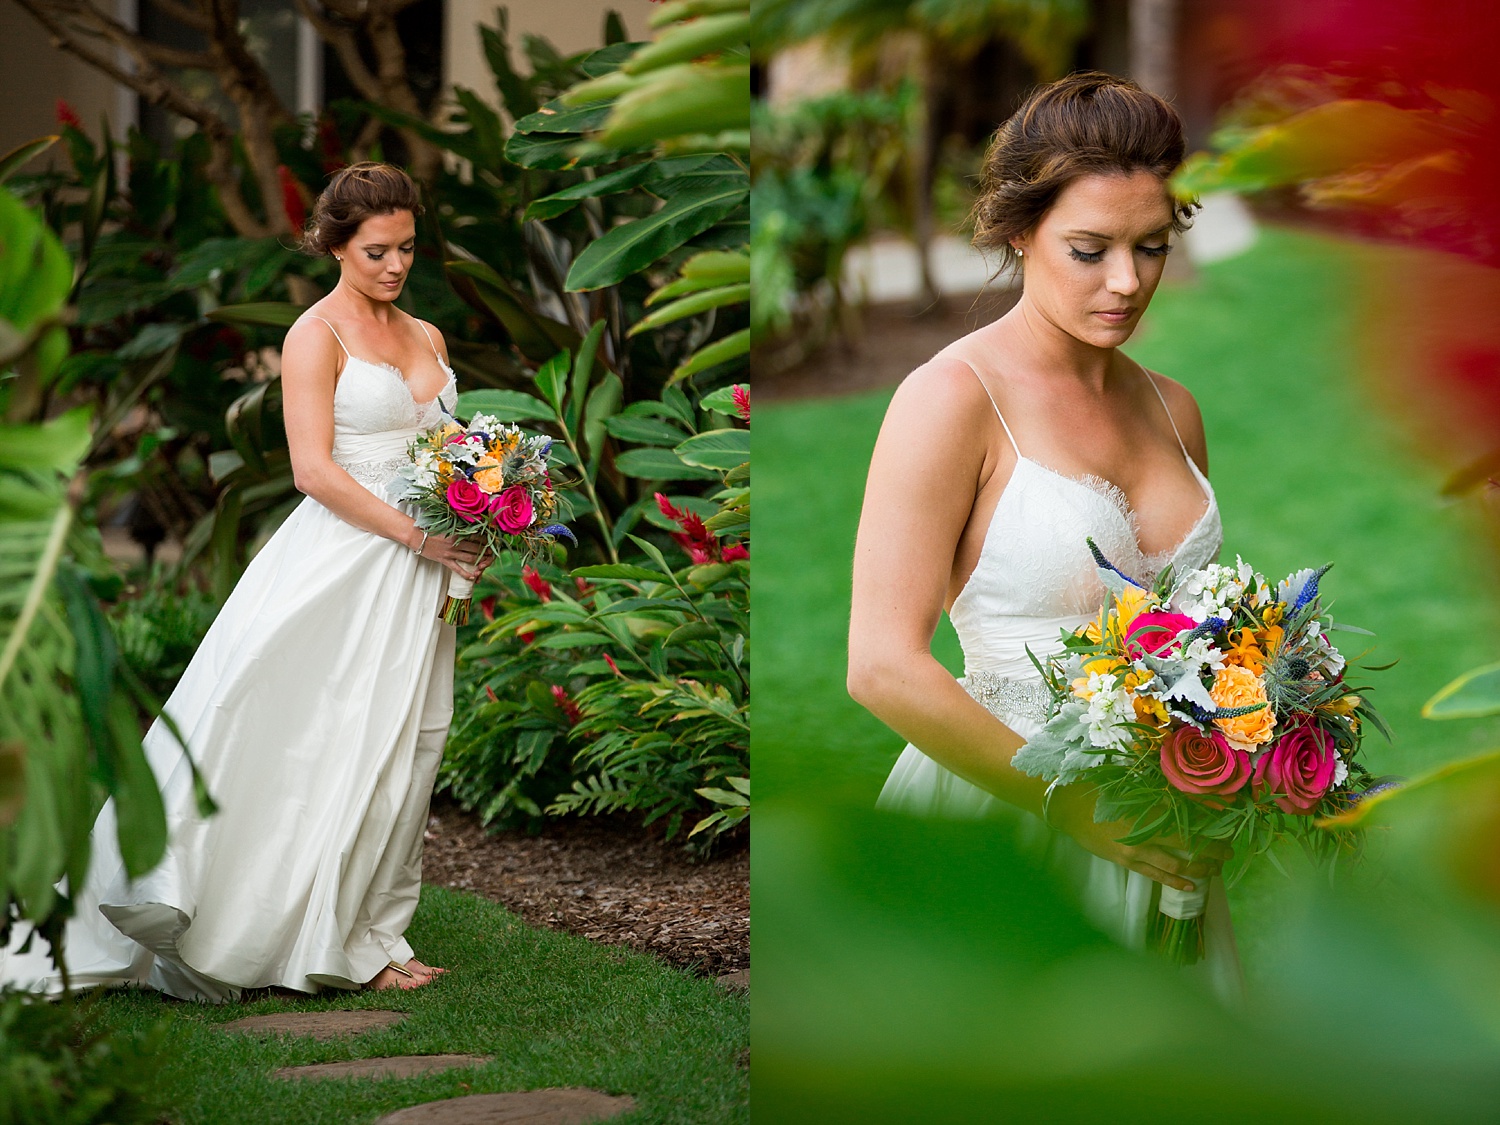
{"points": [[373, 474], [1008, 698]]}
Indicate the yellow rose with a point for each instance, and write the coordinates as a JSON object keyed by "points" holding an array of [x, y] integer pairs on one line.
{"points": [[1235, 686], [491, 480]]}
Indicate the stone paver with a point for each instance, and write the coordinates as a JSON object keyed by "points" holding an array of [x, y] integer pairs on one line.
{"points": [[315, 1025], [573, 1105], [395, 1066], [738, 981]]}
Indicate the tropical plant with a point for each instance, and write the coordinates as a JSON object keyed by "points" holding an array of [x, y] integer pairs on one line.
{"points": [[70, 731], [61, 1065], [821, 171], [623, 687]]}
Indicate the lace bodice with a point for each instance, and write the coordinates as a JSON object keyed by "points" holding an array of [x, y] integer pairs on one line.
{"points": [[1035, 575], [375, 416]]}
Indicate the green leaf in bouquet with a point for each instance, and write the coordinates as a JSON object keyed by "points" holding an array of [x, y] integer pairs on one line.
{"points": [[716, 449], [654, 463], [508, 406], [620, 572], [630, 248]]}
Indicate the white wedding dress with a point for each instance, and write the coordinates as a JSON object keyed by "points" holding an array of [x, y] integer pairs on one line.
{"points": [[317, 708], [1034, 578]]}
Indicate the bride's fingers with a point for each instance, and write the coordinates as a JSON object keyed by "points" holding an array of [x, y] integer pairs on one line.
{"points": [[1201, 868], [1167, 878]]}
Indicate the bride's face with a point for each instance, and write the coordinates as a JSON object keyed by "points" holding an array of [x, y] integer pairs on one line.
{"points": [[379, 256], [1092, 263]]}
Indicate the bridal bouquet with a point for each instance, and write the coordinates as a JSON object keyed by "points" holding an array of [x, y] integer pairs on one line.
{"points": [[1211, 706], [485, 479]]}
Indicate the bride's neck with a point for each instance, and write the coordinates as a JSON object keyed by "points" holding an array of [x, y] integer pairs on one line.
{"points": [[360, 307], [1053, 351]]}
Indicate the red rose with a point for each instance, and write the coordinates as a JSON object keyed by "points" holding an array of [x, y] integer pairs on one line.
{"points": [[1152, 632], [512, 509], [467, 500], [1300, 766], [1200, 763]]}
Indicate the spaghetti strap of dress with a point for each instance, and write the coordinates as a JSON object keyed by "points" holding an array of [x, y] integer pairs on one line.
{"points": [[996, 405], [1183, 445], [335, 332], [433, 342]]}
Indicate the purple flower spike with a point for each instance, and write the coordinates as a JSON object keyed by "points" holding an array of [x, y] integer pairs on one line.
{"points": [[558, 531]]}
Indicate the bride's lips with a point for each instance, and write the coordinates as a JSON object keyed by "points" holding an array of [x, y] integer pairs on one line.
{"points": [[1115, 316], [392, 284]]}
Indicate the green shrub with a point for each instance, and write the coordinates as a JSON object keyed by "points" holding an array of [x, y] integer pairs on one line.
{"points": [[59, 1065]]}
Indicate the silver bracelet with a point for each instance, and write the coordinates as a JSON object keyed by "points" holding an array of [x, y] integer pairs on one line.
{"points": [[422, 545]]}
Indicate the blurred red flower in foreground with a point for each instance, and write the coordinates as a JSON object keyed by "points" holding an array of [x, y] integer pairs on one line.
{"points": [[66, 115], [291, 197], [536, 583]]}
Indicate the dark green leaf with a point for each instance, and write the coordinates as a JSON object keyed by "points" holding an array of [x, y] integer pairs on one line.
{"points": [[630, 248], [659, 464]]}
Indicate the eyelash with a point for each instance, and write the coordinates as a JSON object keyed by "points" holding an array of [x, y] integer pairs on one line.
{"points": [[377, 257], [1098, 255]]}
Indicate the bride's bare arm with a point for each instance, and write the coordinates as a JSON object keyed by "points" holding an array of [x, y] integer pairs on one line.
{"points": [[932, 458], [309, 358], [935, 454]]}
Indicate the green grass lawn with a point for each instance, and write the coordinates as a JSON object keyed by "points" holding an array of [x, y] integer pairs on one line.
{"points": [[1305, 470], [552, 1010]]}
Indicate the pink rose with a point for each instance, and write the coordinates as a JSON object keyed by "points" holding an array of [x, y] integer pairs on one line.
{"points": [[1156, 632], [1200, 763], [1300, 766], [512, 509], [466, 499]]}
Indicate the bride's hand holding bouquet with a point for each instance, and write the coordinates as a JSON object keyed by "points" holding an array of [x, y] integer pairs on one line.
{"points": [[1205, 712], [479, 489]]}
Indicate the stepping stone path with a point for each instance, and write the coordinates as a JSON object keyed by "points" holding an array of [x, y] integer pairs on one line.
{"points": [[393, 1066], [574, 1105], [315, 1025]]}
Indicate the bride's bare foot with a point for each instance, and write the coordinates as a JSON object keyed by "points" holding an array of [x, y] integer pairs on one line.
{"points": [[392, 977], [421, 970]]}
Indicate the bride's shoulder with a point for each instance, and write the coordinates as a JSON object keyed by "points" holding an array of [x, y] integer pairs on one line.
{"points": [[1185, 412], [945, 390]]}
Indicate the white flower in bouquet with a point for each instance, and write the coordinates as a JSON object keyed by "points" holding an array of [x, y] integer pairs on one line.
{"points": [[1110, 708]]}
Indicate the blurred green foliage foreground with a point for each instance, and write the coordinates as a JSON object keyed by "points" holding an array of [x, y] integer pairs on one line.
{"points": [[912, 970]]}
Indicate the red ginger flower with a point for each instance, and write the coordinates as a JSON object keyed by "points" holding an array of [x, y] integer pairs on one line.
{"points": [[741, 395], [694, 538], [537, 584], [66, 114], [291, 197], [569, 708]]}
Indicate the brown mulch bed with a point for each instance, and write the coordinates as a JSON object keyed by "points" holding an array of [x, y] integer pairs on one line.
{"points": [[605, 881], [893, 339]]}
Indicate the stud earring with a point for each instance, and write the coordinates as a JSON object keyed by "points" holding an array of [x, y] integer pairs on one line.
{"points": [[1020, 253]]}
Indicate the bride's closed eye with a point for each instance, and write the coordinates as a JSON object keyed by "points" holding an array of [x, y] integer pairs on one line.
{"points": [[1159, 251], [404, 250]]}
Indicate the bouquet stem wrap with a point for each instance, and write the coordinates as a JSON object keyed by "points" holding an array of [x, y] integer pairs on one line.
{"points": [[455, 609], [1177, 927]]}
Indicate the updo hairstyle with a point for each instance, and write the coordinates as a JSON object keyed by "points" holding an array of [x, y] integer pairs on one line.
{"points": [[356, 192], [1086, 123]]}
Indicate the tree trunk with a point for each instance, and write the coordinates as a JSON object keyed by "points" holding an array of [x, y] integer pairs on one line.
{"points": [[1153, 45]]}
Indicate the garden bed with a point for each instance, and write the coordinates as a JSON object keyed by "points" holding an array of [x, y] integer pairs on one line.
{"points": [[605, 881]]}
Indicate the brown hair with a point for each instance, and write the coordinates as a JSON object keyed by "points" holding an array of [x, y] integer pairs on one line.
{"points": [[1086, 123], [356, 192]]}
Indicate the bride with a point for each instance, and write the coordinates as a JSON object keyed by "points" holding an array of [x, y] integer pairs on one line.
{"points": [[1003, 453], [319, 702]]}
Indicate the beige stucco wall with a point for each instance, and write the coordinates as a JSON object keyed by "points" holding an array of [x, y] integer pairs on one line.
{"points": [[569, 25], [34, 74]]}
